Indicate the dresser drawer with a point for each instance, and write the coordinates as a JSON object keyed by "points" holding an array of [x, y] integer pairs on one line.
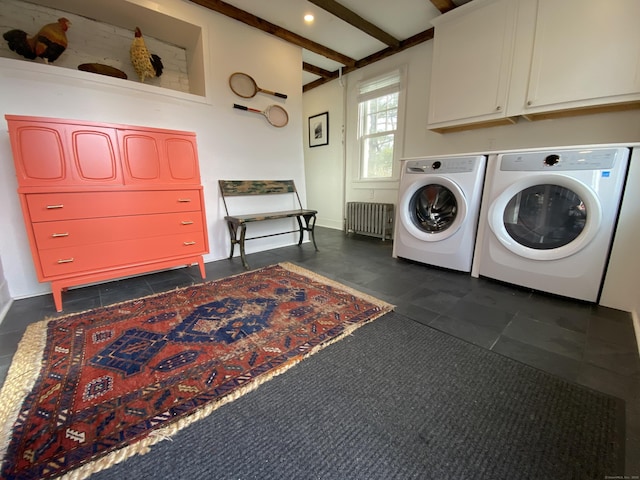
{"points": [[69, 233], [104, 256], [45, 207]]}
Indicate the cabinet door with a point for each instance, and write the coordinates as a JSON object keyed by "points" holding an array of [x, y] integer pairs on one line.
{"points": [[61, 154], [159, 158], [472, 53], [39, 153], [586, 52], [94, 155]]}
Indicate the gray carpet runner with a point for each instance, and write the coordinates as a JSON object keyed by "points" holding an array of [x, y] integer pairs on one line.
{"points": [[399, 400]]}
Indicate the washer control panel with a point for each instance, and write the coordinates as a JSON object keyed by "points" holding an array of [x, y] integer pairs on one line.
{"points": [[594, 159], [442, 165]]}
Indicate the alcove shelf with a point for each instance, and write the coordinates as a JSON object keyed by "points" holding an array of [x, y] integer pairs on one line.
{"points": [[120, 17]]}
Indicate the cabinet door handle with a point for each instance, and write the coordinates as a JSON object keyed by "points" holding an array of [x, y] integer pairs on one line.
{"points": [[56, 235], [187, 222], [184, 200], [66, 260], [189, 243], [498, 108], [53, 207]]}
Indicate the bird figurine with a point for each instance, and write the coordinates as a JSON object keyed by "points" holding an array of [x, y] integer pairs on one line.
{"points": [[48, 43], [144, 63]]}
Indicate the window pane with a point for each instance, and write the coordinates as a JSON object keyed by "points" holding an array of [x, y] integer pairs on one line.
{"points": [[378, 156], [380, 114], [380, 83]]}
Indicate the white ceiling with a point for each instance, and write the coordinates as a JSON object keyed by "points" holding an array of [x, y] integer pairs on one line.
{"points": [[400, 18]]}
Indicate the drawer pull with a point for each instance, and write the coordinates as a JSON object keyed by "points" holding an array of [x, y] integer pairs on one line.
{"points": [[189, 243], [187, 222], [56, 235], [53, 207], [66, 260], [184, 200]]}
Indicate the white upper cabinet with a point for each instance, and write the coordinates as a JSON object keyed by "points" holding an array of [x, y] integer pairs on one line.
{"points": [[472, 52], [496, 60], [586, 53]]}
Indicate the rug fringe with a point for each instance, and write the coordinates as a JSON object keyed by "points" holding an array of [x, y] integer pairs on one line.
{"points": [[334, 283], [21, 377], [26, 366]]}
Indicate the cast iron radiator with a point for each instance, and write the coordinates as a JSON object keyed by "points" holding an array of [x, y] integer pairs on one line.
{"points": [[373, 219]]}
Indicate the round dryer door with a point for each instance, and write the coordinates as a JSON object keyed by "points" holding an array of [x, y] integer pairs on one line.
{"points": [[546, 217], [433, 208]]}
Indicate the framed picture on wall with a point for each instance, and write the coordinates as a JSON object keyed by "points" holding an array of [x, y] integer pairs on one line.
{"points": [[319, 130]]}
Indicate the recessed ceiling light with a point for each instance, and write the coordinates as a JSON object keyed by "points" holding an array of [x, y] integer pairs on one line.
{"points": [[308, 18]]}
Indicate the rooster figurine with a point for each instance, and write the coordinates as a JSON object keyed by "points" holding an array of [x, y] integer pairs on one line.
{"points": [[144, 63], [48, 43]]}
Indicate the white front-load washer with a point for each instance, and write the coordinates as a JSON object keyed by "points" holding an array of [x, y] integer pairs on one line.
{"points": [[548, 219], [438, 207]]}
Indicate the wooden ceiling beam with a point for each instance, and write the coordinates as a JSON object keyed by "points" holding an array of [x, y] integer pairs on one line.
{"points": [[321, 72], [375, 57], [444, 5], [356, 21], [261, 24]]}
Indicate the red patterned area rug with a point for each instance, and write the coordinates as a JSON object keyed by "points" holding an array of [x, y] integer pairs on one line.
{"points": [[88, 390]]}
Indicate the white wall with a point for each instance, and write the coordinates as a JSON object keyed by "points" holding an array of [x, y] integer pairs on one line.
{"points": [[324, 165], [621, 287], [624, 267], [232, 144]]}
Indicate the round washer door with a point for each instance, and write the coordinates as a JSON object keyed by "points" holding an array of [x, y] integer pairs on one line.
{"points": [[433, 208], [545, 217]]}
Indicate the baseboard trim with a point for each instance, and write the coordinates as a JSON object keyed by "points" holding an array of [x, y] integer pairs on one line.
{"points": [[333, 224], [5, 310]]}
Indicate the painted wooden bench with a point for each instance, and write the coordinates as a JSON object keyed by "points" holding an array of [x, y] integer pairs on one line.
{"points": [[237, 224]]}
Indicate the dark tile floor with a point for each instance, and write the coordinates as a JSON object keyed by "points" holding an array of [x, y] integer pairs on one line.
{"points": [[583, 343]]}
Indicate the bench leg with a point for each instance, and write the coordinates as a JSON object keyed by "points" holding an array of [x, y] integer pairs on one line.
{"points": [[243, 229], [310, 223], [233, 236], [312, 228], [301, 229]]}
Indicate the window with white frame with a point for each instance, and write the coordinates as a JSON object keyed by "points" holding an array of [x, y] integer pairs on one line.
{"points": [[379, 111]]}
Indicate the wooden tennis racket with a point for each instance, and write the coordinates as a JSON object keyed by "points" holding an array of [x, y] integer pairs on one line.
{"points": [[246, 87], [275, 114]]}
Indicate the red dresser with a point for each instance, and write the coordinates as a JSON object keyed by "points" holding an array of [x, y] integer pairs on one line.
{"points": [[102, 201]]}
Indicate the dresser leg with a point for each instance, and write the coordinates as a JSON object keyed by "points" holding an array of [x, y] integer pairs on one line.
{"points": [[57, 297], [202, 271]]}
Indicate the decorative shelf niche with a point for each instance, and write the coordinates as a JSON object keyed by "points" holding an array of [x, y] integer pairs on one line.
{"points": [[102, 32]]}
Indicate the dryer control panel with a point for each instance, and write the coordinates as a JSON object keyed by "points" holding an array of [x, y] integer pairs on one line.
{"points": [[443, 165], [594, 159]]}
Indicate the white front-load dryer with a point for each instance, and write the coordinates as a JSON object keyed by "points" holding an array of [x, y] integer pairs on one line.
{"points": [[438, 207], [548, 219]]}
